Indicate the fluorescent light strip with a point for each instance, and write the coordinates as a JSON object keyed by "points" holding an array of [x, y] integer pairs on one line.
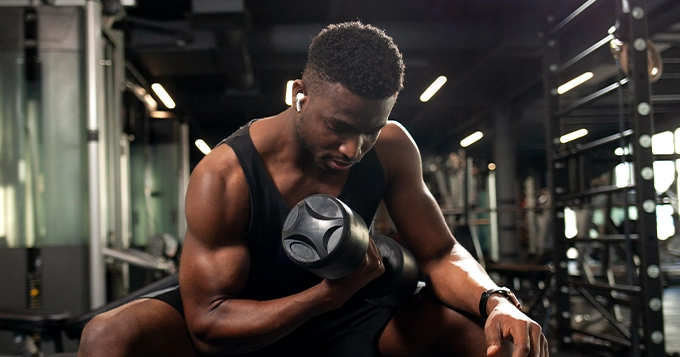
{"points": [[289, 93], [201, 145], [471, 139], [163, 95], [432, 89], [574, 83], [573, 135]]}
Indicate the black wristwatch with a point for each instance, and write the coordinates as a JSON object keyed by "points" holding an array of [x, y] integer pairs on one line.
{"points": [[502, 291]]}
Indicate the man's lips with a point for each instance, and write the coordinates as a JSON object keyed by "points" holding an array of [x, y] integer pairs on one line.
{"points": [[341, 164]]}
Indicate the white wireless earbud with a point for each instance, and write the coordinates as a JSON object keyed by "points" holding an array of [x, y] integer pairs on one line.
{"points": [[299, 96]]}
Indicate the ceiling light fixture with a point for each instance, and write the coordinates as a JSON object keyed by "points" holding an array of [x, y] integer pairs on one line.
{"points": [[573, 135], [150, 102], [161, 114], [471, 139], [201, 145], [289, 93], [574, 83], [432, 89], [163, 95], [139, 90]]}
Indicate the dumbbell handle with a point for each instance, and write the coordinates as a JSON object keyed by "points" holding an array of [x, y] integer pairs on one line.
{"points": [[400, 278]]}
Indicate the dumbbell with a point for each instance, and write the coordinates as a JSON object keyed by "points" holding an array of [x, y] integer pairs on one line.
{"points": [[323, 235]]}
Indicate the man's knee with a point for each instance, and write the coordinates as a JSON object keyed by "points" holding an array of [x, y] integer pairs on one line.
{"points": [[106, 333], [424, 326], [144, 327]]}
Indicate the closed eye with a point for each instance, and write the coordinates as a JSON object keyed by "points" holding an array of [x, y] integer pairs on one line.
{"points": [[332, 129]]}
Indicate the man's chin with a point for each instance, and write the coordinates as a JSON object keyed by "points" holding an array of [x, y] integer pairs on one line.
{"points": [[330, 167]]}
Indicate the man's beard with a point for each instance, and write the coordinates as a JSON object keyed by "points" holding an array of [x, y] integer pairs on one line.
{"points": [[306, 147]]}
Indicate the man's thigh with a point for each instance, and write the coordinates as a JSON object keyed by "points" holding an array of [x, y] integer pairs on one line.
{"points": [[350, 331], [425, 327], [144, 327]]}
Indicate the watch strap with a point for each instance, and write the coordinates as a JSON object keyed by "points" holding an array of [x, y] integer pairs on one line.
{"points": [[507, 293]]}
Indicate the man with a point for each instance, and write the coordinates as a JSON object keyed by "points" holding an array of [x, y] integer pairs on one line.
{"points": [[240, 294]]}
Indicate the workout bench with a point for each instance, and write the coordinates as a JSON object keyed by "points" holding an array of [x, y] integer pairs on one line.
{"points": [[27, 325]]}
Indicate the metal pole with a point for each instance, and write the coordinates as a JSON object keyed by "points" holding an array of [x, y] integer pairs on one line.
{"points": [[556, 179], [642, 120], [183, 177], [506, 168], [493, 218], [92, 57]]}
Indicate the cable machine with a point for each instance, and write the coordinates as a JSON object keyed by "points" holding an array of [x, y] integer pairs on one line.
{"points": [[608, 281]]}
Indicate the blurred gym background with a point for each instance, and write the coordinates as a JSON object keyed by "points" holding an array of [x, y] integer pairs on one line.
{"points": [[549, 132]]}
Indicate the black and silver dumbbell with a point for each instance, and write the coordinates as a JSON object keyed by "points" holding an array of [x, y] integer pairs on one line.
{"points": [[323, 235]]}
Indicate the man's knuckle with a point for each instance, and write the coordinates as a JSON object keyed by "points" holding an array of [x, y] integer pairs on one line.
{"points": [[523, 348]]}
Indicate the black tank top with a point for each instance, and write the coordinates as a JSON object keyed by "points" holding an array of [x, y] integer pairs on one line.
{"points": [[272, 274]]}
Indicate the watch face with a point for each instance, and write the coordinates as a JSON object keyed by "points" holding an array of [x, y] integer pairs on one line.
{"points": [[509, 295]]}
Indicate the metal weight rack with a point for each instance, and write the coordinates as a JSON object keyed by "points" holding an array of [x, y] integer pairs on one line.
{"points": [[608, 295]]}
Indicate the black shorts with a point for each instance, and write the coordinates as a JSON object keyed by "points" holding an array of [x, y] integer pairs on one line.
{"points": [[351, 330]]}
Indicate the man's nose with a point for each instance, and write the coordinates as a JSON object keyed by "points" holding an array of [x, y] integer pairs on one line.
{"points": [[351, 147]]}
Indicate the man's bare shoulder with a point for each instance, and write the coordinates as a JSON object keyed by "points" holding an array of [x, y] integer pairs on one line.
{"points": [[218, 191], [394, 133], [396, 148], [221, 164]]}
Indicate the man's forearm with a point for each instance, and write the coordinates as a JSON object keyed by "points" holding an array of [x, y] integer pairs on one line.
{"points": [[233, 326], [458, 280]]}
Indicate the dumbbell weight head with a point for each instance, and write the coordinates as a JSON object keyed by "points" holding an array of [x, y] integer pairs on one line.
{"points": [[400, 279], [324, 236]]}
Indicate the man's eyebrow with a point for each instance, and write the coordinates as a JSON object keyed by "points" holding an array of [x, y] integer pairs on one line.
{"points": [[345, 125], [379, 127]]}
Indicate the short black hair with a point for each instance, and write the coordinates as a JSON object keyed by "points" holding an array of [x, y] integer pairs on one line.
{"points": [[359, 56]]}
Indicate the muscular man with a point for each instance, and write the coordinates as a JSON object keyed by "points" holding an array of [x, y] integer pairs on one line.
{"points": [[240, 294]]}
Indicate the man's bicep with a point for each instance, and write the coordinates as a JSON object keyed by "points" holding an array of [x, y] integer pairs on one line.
{"points": [[210, 275], [418, 218], [412, 207], [210, 272], [215, 259]]}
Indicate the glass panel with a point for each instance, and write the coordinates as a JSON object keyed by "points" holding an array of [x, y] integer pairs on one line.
{"points": [[12, 164], [138, 193], [662, 143], [664, 175], [665, 227], [623, 174], [154, 170], [618, 215], [63, 149], [165, 170]]}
